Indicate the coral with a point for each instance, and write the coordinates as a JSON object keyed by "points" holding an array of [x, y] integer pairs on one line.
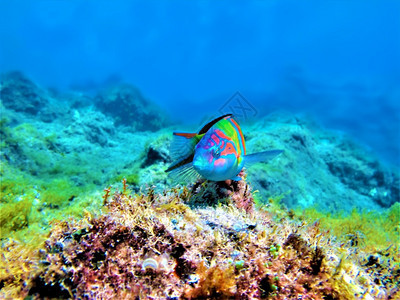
{"points": [[364, 174]]}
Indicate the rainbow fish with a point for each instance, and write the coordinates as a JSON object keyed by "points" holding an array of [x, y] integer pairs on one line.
{"points": [[217, 152]]}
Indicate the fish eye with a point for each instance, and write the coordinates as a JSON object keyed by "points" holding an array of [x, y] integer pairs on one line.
{"points": [[216, 153]]}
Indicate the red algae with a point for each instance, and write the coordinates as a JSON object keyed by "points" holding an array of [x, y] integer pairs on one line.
{"points": [[162, 246]]}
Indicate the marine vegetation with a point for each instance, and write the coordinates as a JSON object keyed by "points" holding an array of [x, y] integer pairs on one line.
{"points": [[88, 211], [160, 245]]}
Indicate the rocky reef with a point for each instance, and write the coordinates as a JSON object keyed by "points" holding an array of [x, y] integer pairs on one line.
{"points": [[126, 105], [155, 246], [87, 210], [319, 168]]}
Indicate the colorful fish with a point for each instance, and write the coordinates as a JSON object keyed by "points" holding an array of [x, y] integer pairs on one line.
{"points": [[217, 152]]}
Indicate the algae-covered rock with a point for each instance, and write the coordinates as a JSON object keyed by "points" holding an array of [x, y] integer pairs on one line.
{"points": [[157, 151], [154, 238], [92, 125], [155, 245], [20, 94], [362, 172], [208, 193], [318, 168], [128, 107]]}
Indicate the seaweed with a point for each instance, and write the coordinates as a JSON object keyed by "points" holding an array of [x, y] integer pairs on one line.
{"points": [[154, 244], [355, 228]]}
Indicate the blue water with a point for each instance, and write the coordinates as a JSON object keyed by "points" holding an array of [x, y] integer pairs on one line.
{"points": [[338, 61]]}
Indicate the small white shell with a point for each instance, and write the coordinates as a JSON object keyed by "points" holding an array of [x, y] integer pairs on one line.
{"points": [[149, 263]]}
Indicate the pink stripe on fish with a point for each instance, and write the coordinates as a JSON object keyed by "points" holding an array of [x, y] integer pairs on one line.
{"points": [[219, 162], [215, 138], [222, 135]]}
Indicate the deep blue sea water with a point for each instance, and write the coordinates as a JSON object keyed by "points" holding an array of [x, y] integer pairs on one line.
{"points": [[337, 61]]}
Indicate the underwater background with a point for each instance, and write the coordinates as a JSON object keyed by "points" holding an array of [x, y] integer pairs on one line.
{"points": [[91, 92]]}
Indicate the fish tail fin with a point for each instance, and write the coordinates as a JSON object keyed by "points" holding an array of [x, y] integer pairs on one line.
{"points": [[264, 156]]}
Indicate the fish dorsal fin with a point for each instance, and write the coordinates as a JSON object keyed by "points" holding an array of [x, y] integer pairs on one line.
{"points": [[185, 173], [264, 156], [210, 124]]}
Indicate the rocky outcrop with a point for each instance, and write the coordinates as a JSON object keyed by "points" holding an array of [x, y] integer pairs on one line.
{"points": [[126, 105]]}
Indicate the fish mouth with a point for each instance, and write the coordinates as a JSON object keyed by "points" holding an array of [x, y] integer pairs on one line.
{"points": [[201, 165], [198, 165]]}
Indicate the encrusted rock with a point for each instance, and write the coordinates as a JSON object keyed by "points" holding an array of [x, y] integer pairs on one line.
{"points": [[128, 107]]}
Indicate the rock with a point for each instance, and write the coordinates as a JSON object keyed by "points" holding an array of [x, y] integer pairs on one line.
{"points": [[22, 95], [93, 125], [126, 105], [155, 155], [318, 168], [363, 174]]}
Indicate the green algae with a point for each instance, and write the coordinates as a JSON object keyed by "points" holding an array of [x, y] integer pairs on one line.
{"points": [[16, 200], [58, 192], [39, 183], [15, 215], [131, 178], [28, 204], [370, 230]]}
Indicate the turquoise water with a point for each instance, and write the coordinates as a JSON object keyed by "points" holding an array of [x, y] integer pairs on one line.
{"points": [[91, 93], [337, 61]]}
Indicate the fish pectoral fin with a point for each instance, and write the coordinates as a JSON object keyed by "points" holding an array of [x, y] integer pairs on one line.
{"points": [[180, 163], [184, 173], [264, 156], [183, 144]]}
